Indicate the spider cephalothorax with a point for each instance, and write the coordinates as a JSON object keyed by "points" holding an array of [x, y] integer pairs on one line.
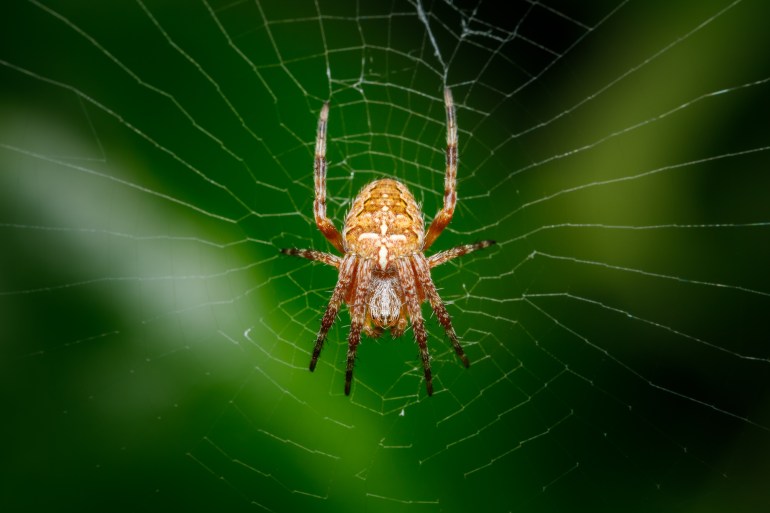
{"points": [[384, 275]]}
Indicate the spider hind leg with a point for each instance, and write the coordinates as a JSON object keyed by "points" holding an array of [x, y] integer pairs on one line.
{"points": [[357, 317], [406, 276], [422, 269], [347, 272]]}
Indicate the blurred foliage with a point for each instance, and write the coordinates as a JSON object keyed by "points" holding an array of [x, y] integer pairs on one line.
{"points": [[154, 156]]}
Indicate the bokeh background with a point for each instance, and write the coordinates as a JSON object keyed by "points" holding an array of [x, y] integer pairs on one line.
{"points": [[156, 155]]}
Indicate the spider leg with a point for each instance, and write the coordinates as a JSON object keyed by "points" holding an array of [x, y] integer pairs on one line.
{"points": [[406, 277], [357, 317], [458, 251], [450, 178], [312, 254], [399, 329], [422, 269], [347, 271], [319, 177]]}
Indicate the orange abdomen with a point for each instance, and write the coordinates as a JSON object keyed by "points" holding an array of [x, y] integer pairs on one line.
{"points": [[384, 223]]}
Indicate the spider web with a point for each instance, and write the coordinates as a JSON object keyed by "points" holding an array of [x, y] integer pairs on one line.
{"points": [[154, 156]]}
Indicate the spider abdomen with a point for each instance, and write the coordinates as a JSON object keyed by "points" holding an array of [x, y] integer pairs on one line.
{"points": [[384, 223]]}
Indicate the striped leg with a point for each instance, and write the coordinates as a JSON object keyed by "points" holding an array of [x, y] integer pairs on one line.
{"points": [[445, 256], [407, 279], [311, 254], [319, 177], [423, 277], [347, 272], [357, 317], [450, 178]]}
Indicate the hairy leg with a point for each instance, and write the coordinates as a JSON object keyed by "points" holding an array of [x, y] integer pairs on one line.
{"points": [[357, 317], [407, 279], [311, 254], [319, 176], [347, 273], [443, 257], [450, 178], [423, 277]]}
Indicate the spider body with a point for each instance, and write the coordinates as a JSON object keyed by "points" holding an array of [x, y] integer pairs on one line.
{"points": [[384, 224], [384, 275]]}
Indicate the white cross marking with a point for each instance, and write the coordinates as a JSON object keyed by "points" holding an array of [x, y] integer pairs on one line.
{"points": [[383, 257]]}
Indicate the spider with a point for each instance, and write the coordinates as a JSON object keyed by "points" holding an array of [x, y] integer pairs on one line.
{"points": [[384, 275]]}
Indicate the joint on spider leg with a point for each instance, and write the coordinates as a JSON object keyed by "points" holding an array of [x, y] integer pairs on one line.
{"points": [[354, 339], [466, 362], [316, 353], [429, 381]]}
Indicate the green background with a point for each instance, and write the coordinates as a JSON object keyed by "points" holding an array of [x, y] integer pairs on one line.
{"points": [[155, 156]]}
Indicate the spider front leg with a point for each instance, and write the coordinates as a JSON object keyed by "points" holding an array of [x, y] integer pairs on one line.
{"points": [[319, 178], [450, 178]]}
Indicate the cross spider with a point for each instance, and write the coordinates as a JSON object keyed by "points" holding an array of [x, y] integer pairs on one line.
{"points": [[384, 275]]}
